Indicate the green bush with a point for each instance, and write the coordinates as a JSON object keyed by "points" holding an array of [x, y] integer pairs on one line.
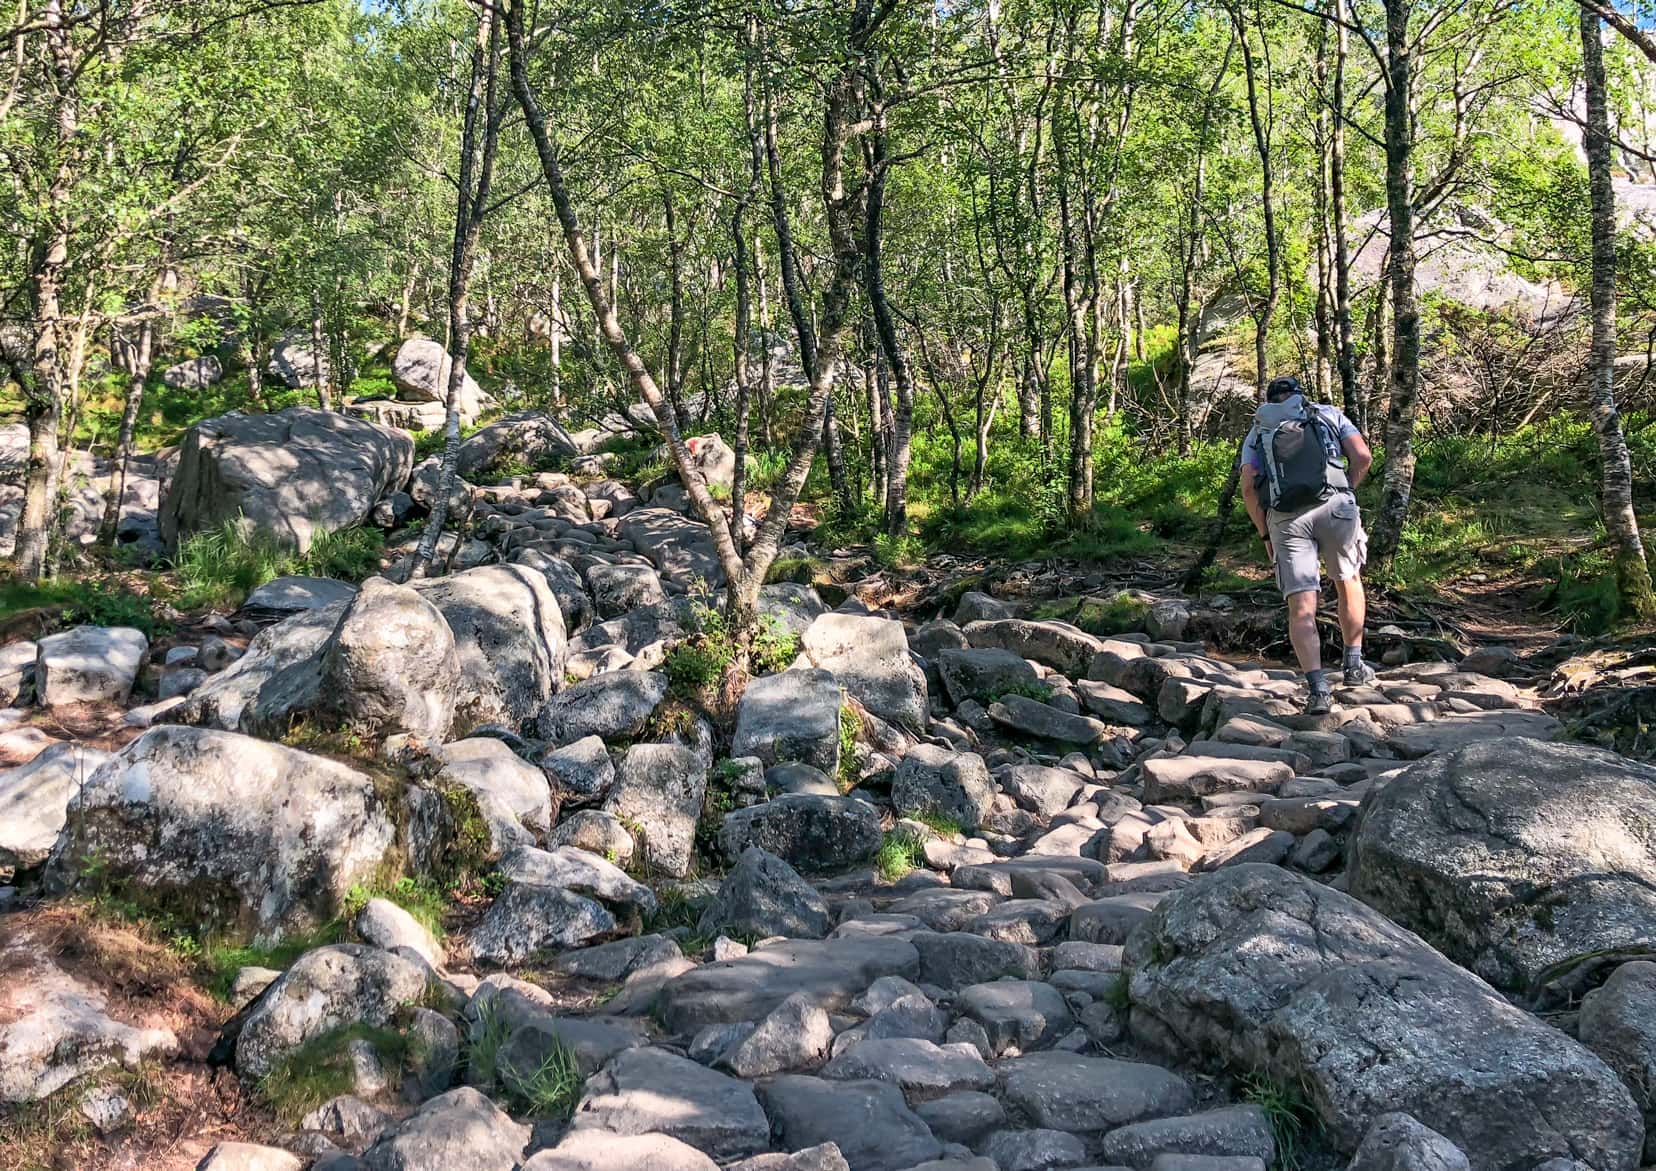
{"points": [[221, 566], [700, 661], [898, 854], [775, 647]]}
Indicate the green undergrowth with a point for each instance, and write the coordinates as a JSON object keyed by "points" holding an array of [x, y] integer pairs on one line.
{"points": [[420, 897], [899, 853], [552, 1088], [221, 566], [320, 1069], [1292, 1120], [850, 754], [1101, 616], [83, 601]]}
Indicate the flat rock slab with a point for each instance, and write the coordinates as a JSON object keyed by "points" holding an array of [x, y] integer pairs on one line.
{"points": [[651, 1091], [34, 800], [869, 1121], [746, 989], [1064, 1091], [1024, 1013], [592, 1149], [1230, 1130], [1412, 741], [282, 596], [916, 1065]]}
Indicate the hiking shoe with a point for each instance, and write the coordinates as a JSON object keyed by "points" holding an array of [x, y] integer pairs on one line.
{"points": [[1319, 703], [1362, 675]]}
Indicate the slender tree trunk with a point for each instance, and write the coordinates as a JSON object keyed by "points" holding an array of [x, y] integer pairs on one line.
{"points": [[134, 357], [1405, 358], [478, 139], [319, 355], [1345, 347], [1616, 487], [885, 329], [556, 339], [43, 405], [1261, 124]]}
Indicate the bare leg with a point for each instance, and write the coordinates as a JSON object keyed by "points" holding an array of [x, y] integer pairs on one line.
{"points": [[1353, 610], [1302, 629]]}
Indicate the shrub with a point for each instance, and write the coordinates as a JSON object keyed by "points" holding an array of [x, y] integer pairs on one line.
{"points": [[775, 647], [898, 854], [221, 566]]}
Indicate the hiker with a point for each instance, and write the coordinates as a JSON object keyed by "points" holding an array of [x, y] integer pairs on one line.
{"points": [[1302, 462]]}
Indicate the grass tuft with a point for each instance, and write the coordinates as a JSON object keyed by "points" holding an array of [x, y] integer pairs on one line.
{"points": [[320, 1070], [1290, 1115], [220, 567], [898, 854], [554, 1087]]}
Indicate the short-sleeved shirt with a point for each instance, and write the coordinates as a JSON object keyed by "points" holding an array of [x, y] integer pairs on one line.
{"points": [[1253, 457]]}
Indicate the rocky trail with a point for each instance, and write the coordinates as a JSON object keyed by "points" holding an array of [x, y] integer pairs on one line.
{"points": [[958, 887]]}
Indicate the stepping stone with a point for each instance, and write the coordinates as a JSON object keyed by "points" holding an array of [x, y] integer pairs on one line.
{"points": [[1230, 1130], [832, 972], [1064, 1091], [646, 1091], [1185, 778], [1034, 1150], [872, 1125], [1045, 722], [962, 1118], [1026, 1013], [1452, 732], [957, 959], [915, 1065], [593, 1149]]}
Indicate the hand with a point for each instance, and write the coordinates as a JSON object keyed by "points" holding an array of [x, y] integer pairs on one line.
{"points": [[1270, 553]]}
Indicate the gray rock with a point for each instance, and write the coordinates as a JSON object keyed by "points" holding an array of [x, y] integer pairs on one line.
{"points": [[180, 681], [958, 959], [1413, 741], [659, 790], [36, 796], [433, 1054], [596, 832], [347, 1119], [391, 664], [511, 794], [917, 1066], [870, 658], [619, 588], [422, 370], [612, 706], [509, 635], [794, 1035], [793, 607], [89, 664], [580, 872], [283, 597], [527, 918], [1026, 1014], [531, 437], [1259, 968], [1057, 645], [17, 662], [261, 681], [1397, 1142], [831, 972], [55, 1028], [593, 1149], [1513, 855], [1045, 722], [975, 606], [457, 1131], [582, 769], [1041, 790], [933, 638], [1618, 1022], [651, 1091], [248, 1157], [1185, 778], [193, 373], [810, 833], [325, 989], [1112, 704], [984, 674], [681, 548], [962, 1118], [1063, 1091], [388, 927], [781, 779], [234, 819], [564, 582], [869, 1121], [1034, 1150], [943, 783], [286, 474], [791, 716], [1229, 1130], [763, 896]]}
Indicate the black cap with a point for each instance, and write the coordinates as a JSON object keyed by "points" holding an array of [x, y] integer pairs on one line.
{"points": [[1280, 388]]}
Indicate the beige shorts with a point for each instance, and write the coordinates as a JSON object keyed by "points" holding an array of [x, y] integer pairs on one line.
{"points": [[1332, 532]]}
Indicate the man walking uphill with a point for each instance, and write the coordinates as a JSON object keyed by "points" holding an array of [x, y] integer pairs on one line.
{"points": [[1302, 462]]}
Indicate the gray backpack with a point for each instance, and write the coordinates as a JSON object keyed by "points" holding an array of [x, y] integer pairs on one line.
{"points": [[1300, 453]]}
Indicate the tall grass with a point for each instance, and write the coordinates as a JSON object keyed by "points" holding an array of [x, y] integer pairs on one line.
{"points": [[221, 566]]}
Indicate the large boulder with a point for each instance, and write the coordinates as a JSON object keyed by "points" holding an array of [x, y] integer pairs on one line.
{"points": [[512, 795], [813, 833], [1057, 645], [658, 791], [791, 716], [278, 660], [1618, 1022], [286, 474], [88, 664], [327, 988], [531, 437], [390, 666], [651, 1091], [34, 800], [712, 457], [1257, 968], [509, 635], [938, 782], [1512, 855], [681, 548], [763, 896], [421, 368], [613, 706], [193, 373], [253, 834], [870, 658]]}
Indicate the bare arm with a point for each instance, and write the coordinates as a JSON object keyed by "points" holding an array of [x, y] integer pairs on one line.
{"points": [[1251, 501], [1358, 458]]}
